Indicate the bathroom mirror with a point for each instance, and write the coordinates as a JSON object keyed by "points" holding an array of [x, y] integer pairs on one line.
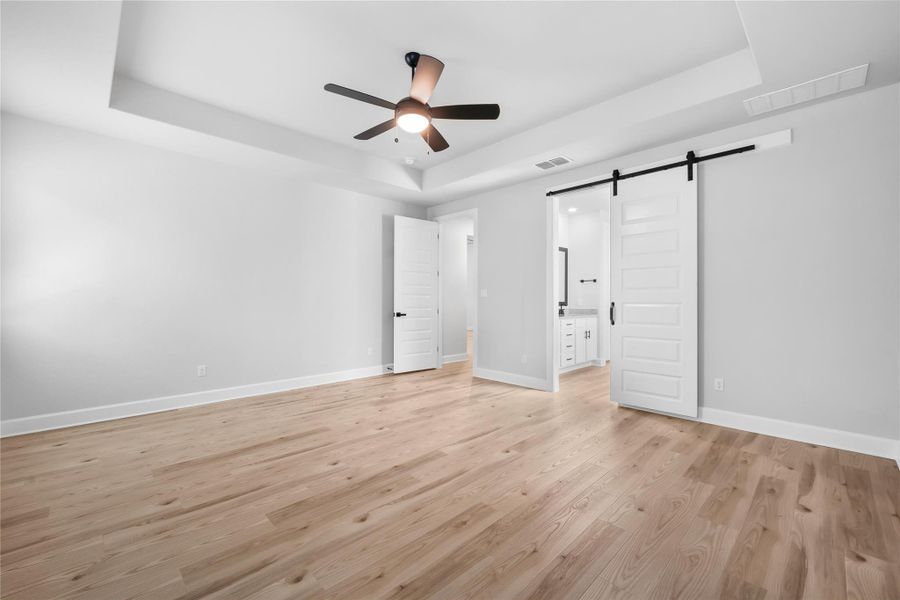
{"points": [[562, 284]]}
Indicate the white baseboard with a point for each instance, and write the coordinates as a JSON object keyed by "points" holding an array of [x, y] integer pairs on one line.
{"points": [[452, 358], [593, 363], [142, 407], [811, 434], [512, 379]]}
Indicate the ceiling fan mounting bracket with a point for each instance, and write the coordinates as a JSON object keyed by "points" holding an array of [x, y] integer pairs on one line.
{"points": [[412, 59]]}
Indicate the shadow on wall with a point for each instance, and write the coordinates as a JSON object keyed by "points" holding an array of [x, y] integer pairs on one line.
{"points": [[387, 289]]}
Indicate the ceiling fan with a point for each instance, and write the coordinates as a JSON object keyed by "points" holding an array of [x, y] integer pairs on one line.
{"points": [[413, 113]]}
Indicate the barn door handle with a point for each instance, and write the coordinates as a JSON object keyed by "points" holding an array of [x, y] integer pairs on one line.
{"points": [[399, 314], [612, 313]]}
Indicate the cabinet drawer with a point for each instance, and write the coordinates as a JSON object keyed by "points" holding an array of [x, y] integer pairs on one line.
{"points": [[567, 325], [566, 361], [567, 349]]}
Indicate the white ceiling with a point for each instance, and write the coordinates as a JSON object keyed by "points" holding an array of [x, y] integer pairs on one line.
{"points": [[241, 82], [539, 61]]}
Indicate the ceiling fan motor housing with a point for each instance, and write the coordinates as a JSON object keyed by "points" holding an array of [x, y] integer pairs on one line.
{"points": [[412, 106]]}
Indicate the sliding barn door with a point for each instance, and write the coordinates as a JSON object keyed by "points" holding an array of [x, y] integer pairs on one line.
{"points": [[653, 255], [415, 294]]}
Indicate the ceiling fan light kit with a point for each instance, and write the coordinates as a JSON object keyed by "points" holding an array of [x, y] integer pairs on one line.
{"points": [[412, 116], [413, 113]]}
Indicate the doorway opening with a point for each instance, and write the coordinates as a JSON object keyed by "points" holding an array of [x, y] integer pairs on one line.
{"points": [[458, 251], [581, 337]]}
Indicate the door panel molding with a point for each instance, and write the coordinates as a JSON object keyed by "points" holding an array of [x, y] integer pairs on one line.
{"points": [[654, 271]]}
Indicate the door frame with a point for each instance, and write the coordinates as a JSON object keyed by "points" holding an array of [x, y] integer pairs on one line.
{"points": [[553, 367], [473, 214]]}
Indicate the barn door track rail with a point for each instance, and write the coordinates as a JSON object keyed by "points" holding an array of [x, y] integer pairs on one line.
{"points": [[689, 161]]}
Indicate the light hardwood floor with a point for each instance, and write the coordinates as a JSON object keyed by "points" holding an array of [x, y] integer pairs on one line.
{"points": [[435, 485]]}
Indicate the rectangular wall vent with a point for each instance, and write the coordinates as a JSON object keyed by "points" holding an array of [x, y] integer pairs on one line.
{"points": [[810, 90], [556, 161]]}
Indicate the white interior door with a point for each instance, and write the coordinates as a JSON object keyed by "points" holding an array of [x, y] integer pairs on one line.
{"points": [[653, 227], [415, 294]]}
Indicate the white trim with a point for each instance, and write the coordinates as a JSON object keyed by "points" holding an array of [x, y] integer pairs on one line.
{"points": [[592, 363], [552, 323], [452, 358], [535, 383], [440, 298], [109, 412], [811, 434]]}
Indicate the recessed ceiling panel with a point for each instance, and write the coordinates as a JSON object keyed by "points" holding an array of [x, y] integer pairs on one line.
{"points": [[539, 61]]}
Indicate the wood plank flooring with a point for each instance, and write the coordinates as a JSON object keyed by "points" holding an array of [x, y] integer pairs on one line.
{"points": [[437, 485]]}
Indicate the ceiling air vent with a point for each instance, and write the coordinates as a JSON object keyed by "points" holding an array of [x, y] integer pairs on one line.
{"points": [[810, 90], [557, 161]]}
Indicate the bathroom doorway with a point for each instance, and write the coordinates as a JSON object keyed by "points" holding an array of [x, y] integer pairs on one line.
{"points": [[582, 332]]}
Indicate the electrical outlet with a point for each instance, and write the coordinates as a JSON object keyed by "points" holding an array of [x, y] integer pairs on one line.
{"points": [[484, 293], [719, 384], [370, 351], [524, 358], [201, 370]]}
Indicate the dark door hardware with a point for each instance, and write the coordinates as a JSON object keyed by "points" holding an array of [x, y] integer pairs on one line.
{"points": [[612, 313], [399, 314]]}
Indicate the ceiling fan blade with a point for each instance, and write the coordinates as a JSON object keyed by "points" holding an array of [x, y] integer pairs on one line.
{"points": [[361, 96], [434, 139], [466, 111], [368, 134], [428, 71]]}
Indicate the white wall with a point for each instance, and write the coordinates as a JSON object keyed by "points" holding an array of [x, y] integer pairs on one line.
{"points": [[125, 267], [511, 233], [799, 267], [586, 259], [454, 280], [562, 227]]}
